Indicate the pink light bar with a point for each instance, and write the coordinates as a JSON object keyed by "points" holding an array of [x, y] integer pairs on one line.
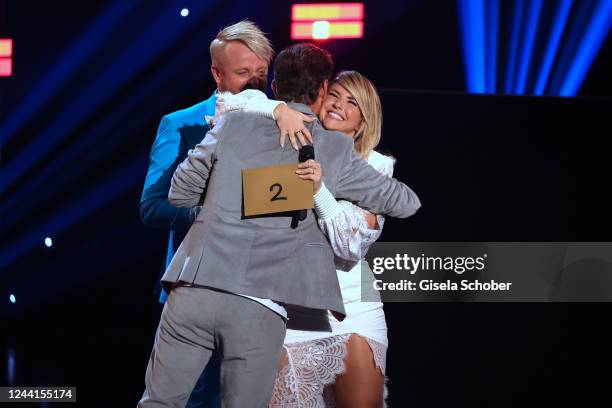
{"points": [[6, 67], [6, 47], [323, 30], [327, 11], [6, 54]]}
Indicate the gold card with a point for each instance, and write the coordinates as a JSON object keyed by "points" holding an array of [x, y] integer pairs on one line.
{"points": [[275, 189]]}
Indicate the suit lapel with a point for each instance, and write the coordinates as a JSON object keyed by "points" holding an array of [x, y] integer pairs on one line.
{"points": [[194, 134]]}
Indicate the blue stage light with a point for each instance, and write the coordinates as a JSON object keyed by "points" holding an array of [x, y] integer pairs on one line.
{"points": [[10, 366], [67, 64], [12, 298], [48, 242], [53, 177], [569, 52], [514, 45], [531, 27], [122, 179], [577, 26], [158, 37], [597, 29], [558, 26], [472, 16], [184, 12], [132, 174], [492, 12]]}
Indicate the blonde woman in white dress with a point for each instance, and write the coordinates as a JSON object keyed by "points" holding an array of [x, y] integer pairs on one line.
{"points": [[343, 366]]}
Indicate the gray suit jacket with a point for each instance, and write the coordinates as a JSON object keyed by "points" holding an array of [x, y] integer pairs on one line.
{"points": [[265, 257]]}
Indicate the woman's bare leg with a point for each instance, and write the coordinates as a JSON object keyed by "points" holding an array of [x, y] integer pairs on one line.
{"points": [[279, 384], [283, 360], [363, 384]]}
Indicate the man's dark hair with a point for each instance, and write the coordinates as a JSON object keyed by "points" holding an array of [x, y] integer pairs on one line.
{"points": [[299, 72]]}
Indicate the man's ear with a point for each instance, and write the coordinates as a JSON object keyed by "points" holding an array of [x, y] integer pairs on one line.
{"points": [[274, 87], [323, 90], [216, 73]]}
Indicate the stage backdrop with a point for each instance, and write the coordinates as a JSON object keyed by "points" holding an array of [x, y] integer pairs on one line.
{"points": [[486, 168]]}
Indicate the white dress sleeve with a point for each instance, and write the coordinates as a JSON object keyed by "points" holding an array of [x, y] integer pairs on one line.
{"points": [[344, 223], [250, 100]]}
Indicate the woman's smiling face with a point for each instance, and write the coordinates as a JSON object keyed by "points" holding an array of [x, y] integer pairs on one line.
{"points": [[340, 111]]}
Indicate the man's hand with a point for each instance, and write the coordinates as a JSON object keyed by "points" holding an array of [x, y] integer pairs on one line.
{"points": [[291, 123], [311, 170]]}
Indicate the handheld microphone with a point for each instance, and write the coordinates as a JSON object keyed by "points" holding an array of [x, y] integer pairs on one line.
{"points": [[306, 153]]}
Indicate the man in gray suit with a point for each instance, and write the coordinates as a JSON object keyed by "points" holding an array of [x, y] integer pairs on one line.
{"points": [[232, 274]]}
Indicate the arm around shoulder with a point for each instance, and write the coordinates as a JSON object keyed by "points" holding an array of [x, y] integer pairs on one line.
{"points": [[191, 176], [367, 188]]}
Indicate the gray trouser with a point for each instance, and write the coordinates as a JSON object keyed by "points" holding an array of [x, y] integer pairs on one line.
{"points": [[196, 321]]}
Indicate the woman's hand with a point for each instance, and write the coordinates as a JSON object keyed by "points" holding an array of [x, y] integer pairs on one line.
{"points": [[311, 170], [291, 123], [371, 220]]}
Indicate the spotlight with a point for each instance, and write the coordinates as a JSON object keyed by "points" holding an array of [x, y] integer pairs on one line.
{"points": [[48, 242], [12, 298], [184, 12], [6, 57], [320, 30]]}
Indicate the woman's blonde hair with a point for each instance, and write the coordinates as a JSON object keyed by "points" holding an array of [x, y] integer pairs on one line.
{"points": [[364, 92]]}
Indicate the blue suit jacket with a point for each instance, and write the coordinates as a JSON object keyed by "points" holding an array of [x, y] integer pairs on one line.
{"points": [[178, 133]]}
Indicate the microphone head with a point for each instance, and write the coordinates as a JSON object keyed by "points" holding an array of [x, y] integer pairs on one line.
{"points": [[306, 153]]}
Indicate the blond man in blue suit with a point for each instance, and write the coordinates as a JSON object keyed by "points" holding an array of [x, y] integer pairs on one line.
{"points": [[240, 56]]}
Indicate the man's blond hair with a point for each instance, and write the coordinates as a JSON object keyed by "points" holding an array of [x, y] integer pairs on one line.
{"points": [[246, 32]]}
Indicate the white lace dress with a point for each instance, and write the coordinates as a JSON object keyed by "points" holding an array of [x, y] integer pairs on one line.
{"points": [[316, 358]]}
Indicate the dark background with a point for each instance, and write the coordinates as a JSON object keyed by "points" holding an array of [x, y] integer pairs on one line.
{"points": [[486, 167]]}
